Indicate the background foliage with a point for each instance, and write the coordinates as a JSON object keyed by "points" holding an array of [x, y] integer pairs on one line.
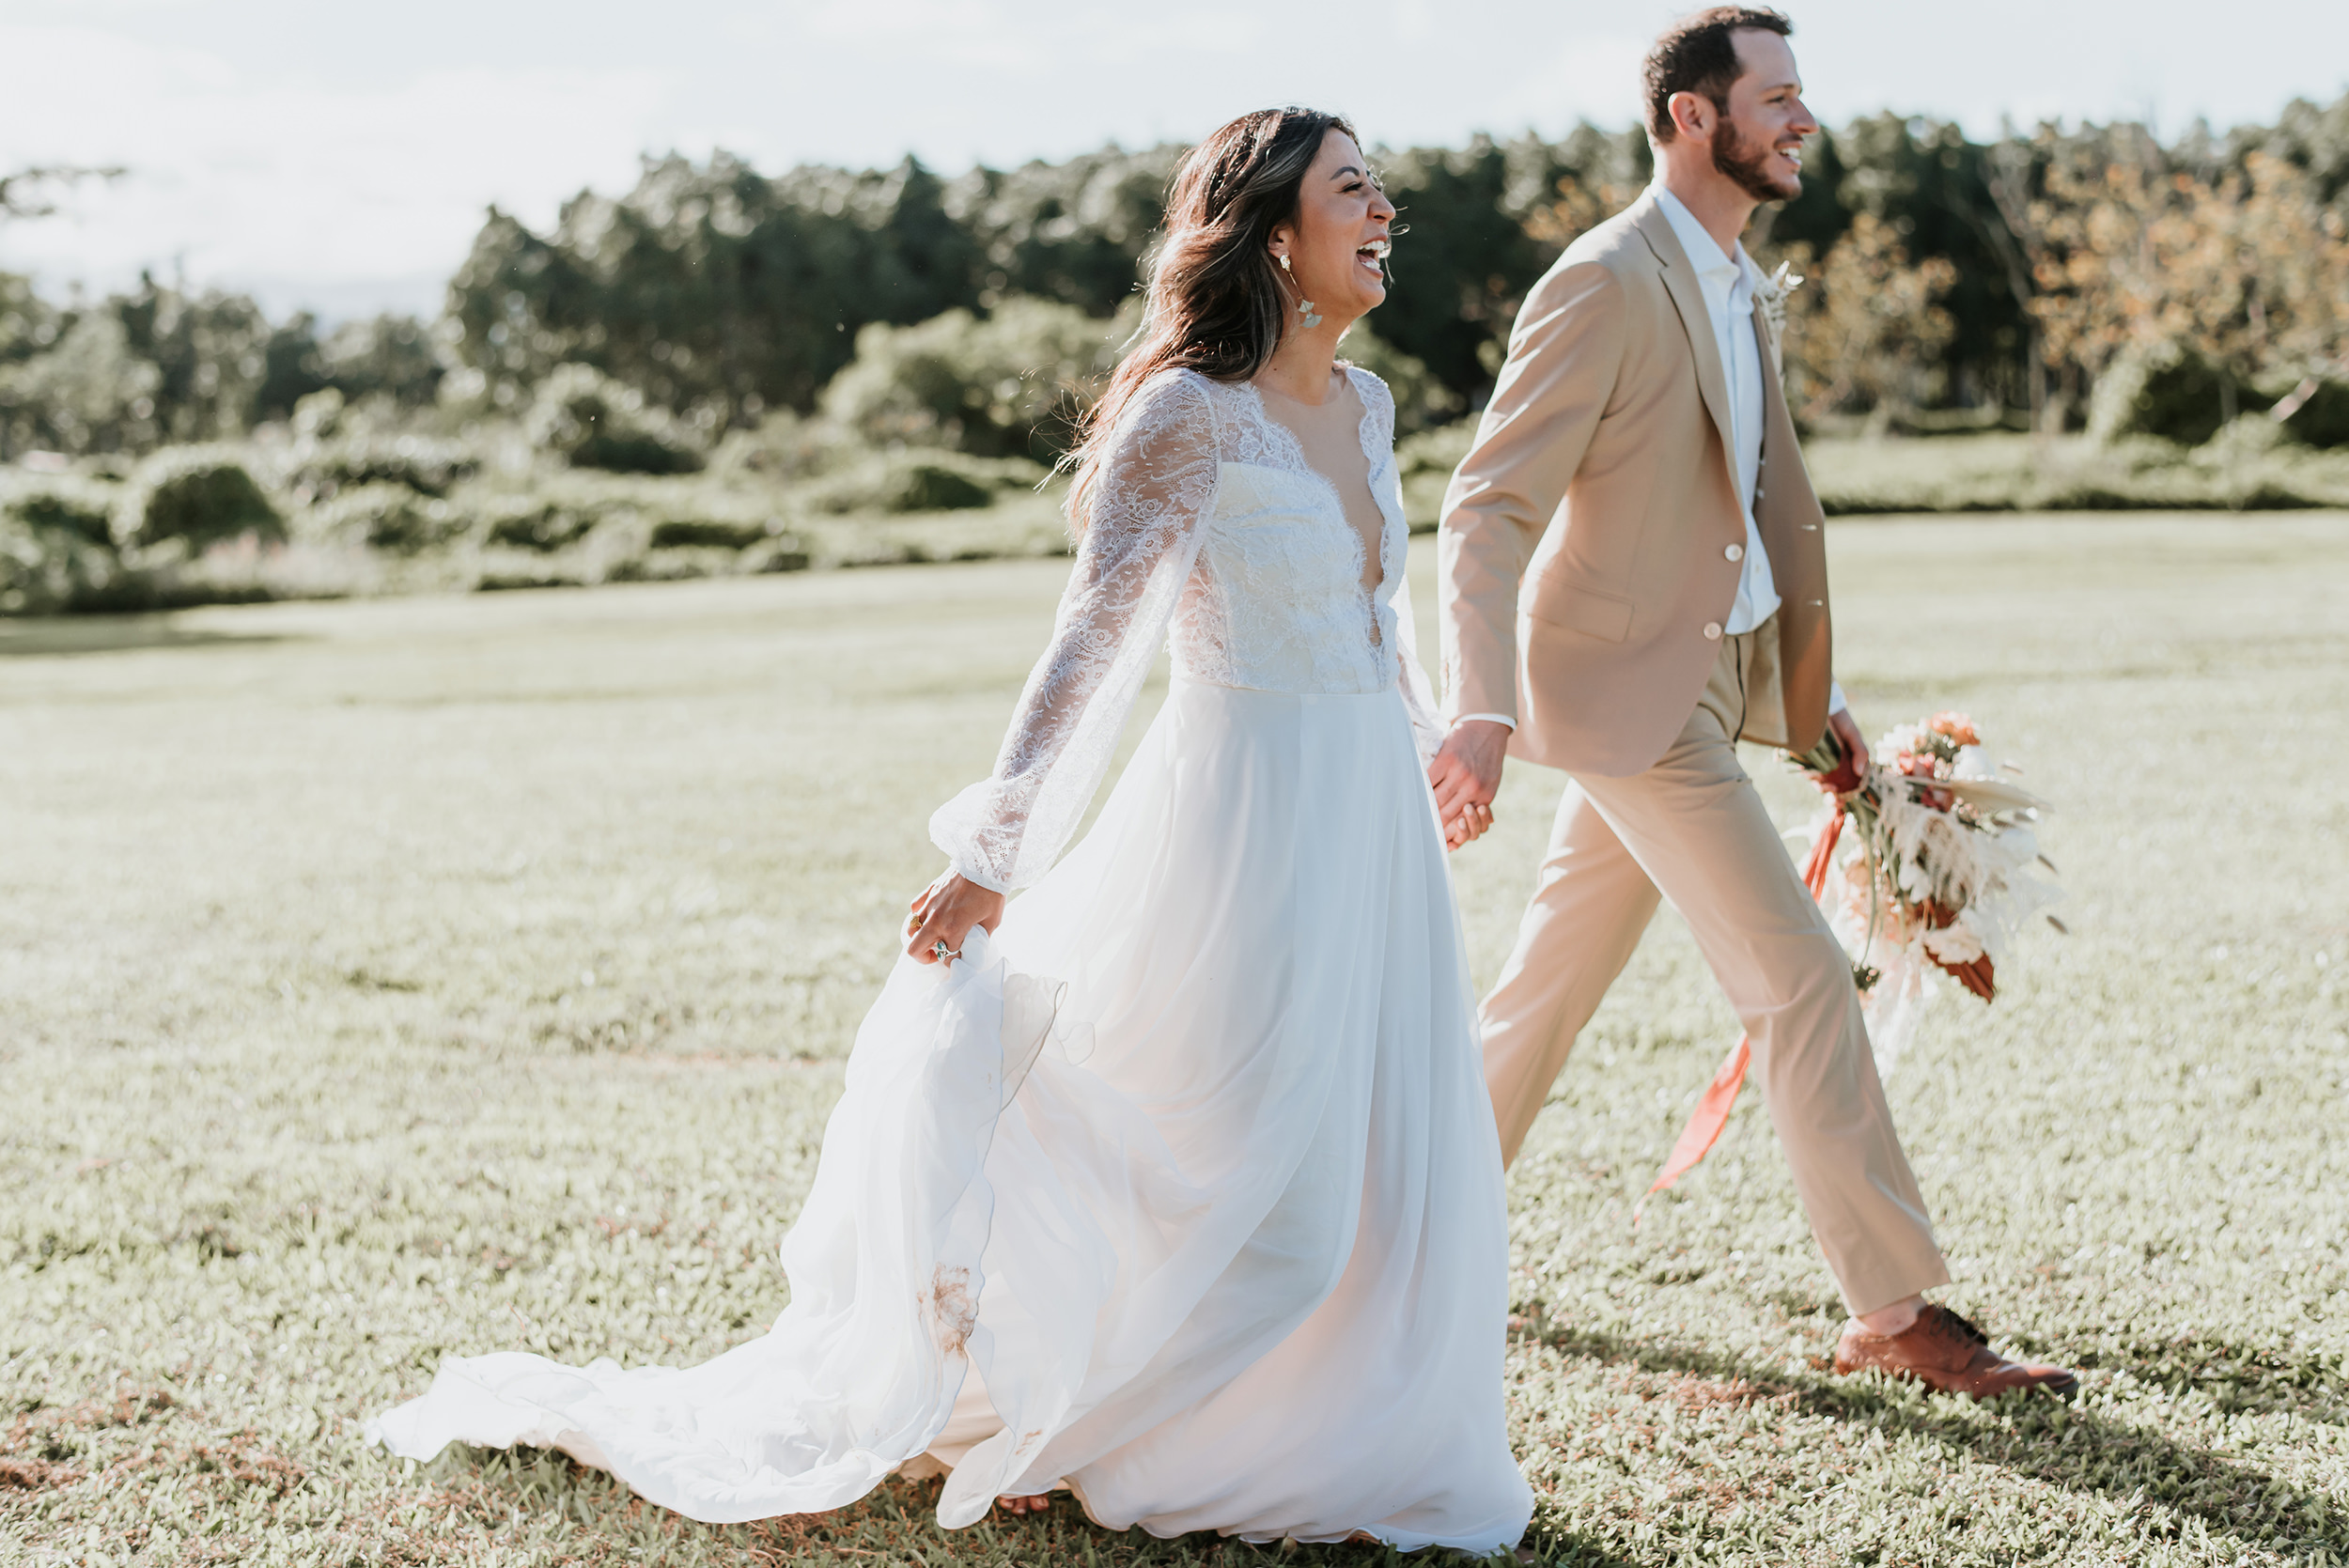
{"points": [[835, 343]]}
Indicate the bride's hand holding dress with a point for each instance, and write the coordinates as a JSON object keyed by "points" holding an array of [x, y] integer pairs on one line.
{"points": [[944, 913]]}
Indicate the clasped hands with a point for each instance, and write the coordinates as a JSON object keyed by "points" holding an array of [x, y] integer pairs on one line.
{"points": [[1465, 775]]}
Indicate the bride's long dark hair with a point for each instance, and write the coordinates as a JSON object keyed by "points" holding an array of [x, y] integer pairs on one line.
{"points": [[1214, 302]]}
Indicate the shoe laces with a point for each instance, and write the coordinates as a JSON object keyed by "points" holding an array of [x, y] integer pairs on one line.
{"points": [[1964, 1324]]}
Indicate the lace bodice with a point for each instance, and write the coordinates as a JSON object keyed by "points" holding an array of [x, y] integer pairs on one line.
{"points": [[1210, 533]]}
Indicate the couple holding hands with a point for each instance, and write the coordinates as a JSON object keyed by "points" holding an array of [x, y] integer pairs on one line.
{"points": [[1178, 1183]]}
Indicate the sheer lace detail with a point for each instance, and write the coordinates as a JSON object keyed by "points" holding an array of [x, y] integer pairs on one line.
{"points": [[1155, 487], [1281, 567], [1268, 442], [1209, 530]]}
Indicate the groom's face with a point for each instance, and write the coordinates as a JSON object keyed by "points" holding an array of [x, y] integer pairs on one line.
{"points": [[1758, 140]]}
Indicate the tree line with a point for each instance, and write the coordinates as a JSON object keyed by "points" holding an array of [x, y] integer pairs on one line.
{"points": [[1946, 279]]}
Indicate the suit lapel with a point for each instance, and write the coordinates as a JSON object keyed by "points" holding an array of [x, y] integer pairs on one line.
{"points": [[1680, 282], [1773, 391], [1783, 475]]}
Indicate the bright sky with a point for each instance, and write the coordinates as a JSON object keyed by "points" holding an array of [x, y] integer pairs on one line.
{"points": [[338, 157]]}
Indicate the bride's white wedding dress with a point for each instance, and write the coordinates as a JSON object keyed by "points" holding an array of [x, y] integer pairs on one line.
{"points": [[1183, 1190]]}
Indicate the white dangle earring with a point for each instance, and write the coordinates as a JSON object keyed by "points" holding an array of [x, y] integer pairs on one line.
{"points": [[1304, 307]]}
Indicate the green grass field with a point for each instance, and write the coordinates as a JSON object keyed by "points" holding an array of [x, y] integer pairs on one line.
{"points": [[384, 980]]}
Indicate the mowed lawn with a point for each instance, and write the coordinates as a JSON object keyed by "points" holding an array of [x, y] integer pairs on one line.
{"points": [[380, 980]]}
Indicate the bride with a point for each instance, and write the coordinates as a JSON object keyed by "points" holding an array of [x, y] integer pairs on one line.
{"points": [[1175, 1183]]}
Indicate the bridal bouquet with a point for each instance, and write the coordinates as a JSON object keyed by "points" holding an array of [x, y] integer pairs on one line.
{"points": [[1937, 876], [1940, 874]]}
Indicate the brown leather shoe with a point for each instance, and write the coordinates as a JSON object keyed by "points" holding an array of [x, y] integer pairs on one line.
{"points": [[1944, 1351]]}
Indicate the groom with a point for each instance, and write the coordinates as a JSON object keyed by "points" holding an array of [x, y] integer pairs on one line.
{"points": [[1634, 578]]}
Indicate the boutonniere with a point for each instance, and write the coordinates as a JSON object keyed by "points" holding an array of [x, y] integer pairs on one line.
{"points": [[1771, 296]]}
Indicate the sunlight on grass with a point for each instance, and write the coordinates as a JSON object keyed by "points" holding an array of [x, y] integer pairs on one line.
{"points": [[384, 980]]}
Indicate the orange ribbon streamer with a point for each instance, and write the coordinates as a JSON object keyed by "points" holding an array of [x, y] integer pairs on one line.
{"points": [[1712, 1112]]}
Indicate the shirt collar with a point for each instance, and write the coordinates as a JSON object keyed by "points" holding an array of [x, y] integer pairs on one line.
{"points": [[1704, 253]]}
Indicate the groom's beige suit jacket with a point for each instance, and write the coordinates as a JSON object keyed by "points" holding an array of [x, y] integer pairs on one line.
{"points": [[1591, 540]]}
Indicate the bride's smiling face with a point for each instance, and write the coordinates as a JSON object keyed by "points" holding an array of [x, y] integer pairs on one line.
{"points": [[1337, 246]]}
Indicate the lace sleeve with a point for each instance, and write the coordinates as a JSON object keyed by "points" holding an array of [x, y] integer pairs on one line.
{"points": [[1419, 697], [1155, 487]]}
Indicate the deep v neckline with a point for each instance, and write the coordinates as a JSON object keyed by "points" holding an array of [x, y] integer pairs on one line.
{"points": [[1291, 446]]}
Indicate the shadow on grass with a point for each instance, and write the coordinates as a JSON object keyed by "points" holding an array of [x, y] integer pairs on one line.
{"points": [[2035, 1435], [52, 636], [1555, 1549], [2239, 1378], [602, 1522]]}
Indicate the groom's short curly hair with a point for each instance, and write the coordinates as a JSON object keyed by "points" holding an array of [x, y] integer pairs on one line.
{"points": [[1699, 55]]}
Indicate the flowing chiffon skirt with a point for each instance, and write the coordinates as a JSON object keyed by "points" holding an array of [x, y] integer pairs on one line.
{"points": [[1183, 1191]]}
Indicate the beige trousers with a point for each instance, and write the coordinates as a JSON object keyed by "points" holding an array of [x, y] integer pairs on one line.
{"points": [[1695, 829]]}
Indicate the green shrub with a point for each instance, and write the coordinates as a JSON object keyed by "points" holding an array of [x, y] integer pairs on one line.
{"points": [[706, 533], [908, 482], [932, 488], [2084, 495], [389, 518], [1008, 384], [543, 526], [2272, 493], [784, 446], [2247, 439], [635, 452], [2167, 390], [785, 552], [196, 496], [426, 464], [2249, 465], [587, 419], [47, 571], [2254, 465], [62, 505], [501, 578]]}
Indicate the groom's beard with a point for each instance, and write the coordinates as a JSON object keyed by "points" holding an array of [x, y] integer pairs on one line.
{"points": [[1747, 164]]}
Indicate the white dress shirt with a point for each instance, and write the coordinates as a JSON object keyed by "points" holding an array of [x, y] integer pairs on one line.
{"points": [[1729, 283]]}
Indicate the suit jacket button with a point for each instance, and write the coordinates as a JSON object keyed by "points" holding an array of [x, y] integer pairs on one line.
{"points": [[1735, 553], [1713, 631]]}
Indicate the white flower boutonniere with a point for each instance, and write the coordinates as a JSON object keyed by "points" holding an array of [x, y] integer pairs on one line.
{"points": [[1771, 296]]}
